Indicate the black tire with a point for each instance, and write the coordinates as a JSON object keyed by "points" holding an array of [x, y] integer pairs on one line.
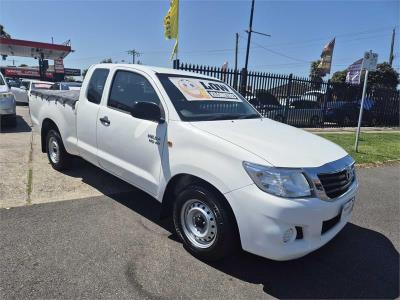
{"points": [[225, 240], [63, 157]]}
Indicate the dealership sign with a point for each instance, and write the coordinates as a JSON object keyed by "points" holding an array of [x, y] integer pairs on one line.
{"points": [[19, 72], [59, 66]]}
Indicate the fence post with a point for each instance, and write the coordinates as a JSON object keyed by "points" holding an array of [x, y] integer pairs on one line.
{"points": [[176, 64], [327, 98], [243, 82], [288, 94]]}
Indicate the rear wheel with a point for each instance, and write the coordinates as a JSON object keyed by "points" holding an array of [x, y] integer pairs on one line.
{"points": [[58, 156], [204, 223]]}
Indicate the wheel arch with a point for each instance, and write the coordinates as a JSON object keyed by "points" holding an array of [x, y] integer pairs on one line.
{"points": [[178, 182], [47, 125]]}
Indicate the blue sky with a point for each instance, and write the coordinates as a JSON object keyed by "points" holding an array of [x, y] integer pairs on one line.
{"points": [[299, 29]]}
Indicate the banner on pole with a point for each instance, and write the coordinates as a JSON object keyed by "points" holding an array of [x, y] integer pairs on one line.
{"points": [[171, 24], [326, 58], [353, 75]]}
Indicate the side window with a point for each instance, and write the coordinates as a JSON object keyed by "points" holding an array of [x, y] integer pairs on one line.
{"points": [[298, 105], [129, 87], [96, 85]]}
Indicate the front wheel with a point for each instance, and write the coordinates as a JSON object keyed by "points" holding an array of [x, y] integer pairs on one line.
{"points": [[58, 156], [204, 223]]}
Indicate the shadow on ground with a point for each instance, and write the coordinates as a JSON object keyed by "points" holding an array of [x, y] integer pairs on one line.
{"points": [[358, 263], [22, 126]]}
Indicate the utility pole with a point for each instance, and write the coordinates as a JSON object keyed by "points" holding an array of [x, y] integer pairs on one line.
{"points": [[391, 48], [134, 53], [250, 30], [236, 50]]}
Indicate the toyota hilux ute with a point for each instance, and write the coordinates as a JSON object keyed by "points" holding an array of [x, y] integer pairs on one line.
{"points": [[226, 175]]}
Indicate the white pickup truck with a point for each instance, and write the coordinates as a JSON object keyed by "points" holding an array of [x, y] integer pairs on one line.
{"points": [[226, 175]]}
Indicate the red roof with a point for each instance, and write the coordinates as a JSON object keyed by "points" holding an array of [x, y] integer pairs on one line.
{"points": [[13, 47]]}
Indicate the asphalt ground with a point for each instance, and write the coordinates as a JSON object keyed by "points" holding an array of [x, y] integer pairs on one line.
{"points": [[116, 247]]}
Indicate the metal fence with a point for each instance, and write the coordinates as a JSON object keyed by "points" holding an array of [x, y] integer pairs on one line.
{"points": [[302, 102]]}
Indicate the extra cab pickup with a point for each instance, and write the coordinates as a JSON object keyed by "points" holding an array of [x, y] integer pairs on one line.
{"points": [[228, 177]]}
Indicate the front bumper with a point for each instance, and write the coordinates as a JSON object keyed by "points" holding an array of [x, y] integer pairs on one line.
{"points": [[263, 219]]}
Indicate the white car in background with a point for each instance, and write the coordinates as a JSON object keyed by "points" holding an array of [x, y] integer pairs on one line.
{"points": [[22, 93], [66, 86], [7, 103]]}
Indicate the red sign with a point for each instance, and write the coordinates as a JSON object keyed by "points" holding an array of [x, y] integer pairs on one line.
{"points": [[14, 72], [59, 65]]}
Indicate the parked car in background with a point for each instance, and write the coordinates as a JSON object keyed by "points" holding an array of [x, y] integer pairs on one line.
{"points": [[316, 95], [226, 175], [22, 93], [7, 104], [66, 86], [264, 101], [345, 113], [299, 113], [13, 82]]}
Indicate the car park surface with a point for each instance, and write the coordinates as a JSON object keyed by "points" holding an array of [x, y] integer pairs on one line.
{"points": [[116, 247], [110, 243]]}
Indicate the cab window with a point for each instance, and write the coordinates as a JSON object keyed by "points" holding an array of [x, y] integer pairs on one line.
{"points": [[96, 85], [128, 88]]}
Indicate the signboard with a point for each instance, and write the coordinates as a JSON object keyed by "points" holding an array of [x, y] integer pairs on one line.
{"points": [[195, 89], [59, 66], [370, 61], [72, 72], [353, 75], [19, 72]]}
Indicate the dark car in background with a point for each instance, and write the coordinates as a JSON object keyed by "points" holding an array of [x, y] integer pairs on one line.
{"points": [[345, 113]]}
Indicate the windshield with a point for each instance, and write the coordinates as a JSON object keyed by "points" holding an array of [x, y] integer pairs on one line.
{"points": [[199, 99], [41, 86]]}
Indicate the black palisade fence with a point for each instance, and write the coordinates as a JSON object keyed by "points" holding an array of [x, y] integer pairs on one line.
{"points": [[302, 102]]}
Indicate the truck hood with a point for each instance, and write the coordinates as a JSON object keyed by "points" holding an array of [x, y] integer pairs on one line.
{"points": [[279, 144]]}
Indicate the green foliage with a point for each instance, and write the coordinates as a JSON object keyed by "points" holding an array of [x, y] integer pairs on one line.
{"points": [[106, 61], [384, 77], [339, 76], [3, 33]]}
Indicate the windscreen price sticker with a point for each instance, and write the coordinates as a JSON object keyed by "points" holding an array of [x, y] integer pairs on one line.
{"points": [[198, 89]]}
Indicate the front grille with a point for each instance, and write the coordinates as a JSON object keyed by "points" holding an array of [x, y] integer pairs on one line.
{"points": [[329, 224], [336, 184]]}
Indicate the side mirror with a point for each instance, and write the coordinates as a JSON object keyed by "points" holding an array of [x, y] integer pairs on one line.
{"points": [[147, 111]]}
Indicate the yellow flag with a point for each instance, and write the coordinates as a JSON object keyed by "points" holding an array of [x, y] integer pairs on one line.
{"points": [[171, 21]]}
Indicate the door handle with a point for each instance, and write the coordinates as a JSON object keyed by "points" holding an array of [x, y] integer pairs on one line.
{"points": [[105, 121]]}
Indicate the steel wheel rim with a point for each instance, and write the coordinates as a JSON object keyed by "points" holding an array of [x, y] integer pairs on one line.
{"points": [[54, 150], [199, 223]]}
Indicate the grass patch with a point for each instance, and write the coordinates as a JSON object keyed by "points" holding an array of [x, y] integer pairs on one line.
{"points": [[373, 148]]}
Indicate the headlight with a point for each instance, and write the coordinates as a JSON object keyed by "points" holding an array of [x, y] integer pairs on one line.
{"points": [[282, 182], [6, 95]]}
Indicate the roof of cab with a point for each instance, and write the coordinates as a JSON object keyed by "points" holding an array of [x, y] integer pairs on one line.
{"points": [[156, 70]]}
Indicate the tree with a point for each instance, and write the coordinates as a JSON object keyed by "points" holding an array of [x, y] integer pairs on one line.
{"points": [[3, 33], [23, 65], [384, 77], [69, 78], [106, 61], [316, 74], [339, 76]]}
